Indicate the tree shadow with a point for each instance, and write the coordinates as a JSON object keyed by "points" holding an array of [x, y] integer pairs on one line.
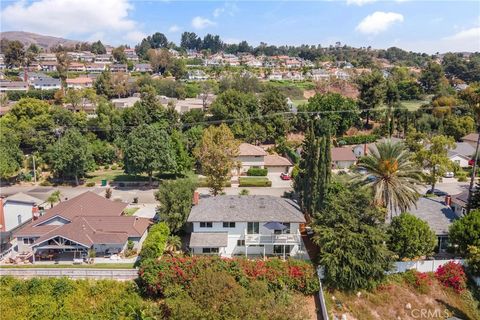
{"points": [[456, 312]]}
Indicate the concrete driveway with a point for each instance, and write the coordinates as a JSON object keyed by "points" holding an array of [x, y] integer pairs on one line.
{"points": [[277, 182], [147, 210]]}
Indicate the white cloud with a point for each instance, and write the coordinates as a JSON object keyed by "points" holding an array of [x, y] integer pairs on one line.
{"points": [[472, 34], [135, 36], [202, 23], [72, 18], [174, 28], [359, 2], [217, 12], [228, 8], [378, 22]]}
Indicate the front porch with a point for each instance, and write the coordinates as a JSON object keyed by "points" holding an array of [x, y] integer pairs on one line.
{"points": [[276, 244]]}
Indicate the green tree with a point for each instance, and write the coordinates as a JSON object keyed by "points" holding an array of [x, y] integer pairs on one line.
{"points": [[161, 60], [312, 180], [392, 97], [98, 48], [63, 62], [216, 152], [372, 92], [273, 106], [14, 54], [103, 84], [341, 121], [10, 154], [465, 232], [410, 237], [392, 175], [351, 240], [475, 202], [175, 198], [183, 160], [70, 156], [148, 148], [432, 77], [435, 157], [458, 126], [190, 41], [119, 54]]}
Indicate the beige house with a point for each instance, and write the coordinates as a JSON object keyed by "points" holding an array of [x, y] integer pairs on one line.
{"points": [[250, 156]]}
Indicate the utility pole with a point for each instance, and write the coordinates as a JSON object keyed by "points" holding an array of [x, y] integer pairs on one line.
{"points": [[34, 169], [474, 173]]}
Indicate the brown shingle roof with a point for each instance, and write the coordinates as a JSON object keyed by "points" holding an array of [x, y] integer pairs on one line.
{"points": [[343, 154], [86, 204], [273, 160], [247, 149]]}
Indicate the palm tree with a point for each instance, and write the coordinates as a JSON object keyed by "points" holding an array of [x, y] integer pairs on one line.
{"points": [[173, 244], [54, 198], [392, 175]]}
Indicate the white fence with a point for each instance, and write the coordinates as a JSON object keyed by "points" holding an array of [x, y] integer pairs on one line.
{"points": [[422, 265], [72, 273]]}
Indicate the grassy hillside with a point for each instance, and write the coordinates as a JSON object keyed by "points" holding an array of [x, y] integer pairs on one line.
{"points": [[399, 298]]}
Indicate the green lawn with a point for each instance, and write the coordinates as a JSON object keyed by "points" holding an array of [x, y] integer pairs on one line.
{"points": [[254, 182], [113, 175], [299, 102], [130, 211], [202, 183], [56, 266]]}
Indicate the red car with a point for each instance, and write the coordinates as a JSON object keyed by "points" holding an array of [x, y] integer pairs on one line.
{"points": [[285, 176]]}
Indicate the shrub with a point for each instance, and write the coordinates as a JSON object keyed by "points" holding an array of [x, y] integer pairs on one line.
{"points": [[244, 192], [46, 183], [452, 275], [254, 182], [419, 280], [90, 184], [114, 167], [158, 276], [473, 260], [155, 243], [364, 138], [257, 172]]}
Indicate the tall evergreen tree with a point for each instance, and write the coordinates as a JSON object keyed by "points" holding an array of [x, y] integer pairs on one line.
{"points": [[475, 202]]}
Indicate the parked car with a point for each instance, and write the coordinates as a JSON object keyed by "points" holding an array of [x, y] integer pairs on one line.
{"points": [[449, 174], [436, 192], [285, 176]]}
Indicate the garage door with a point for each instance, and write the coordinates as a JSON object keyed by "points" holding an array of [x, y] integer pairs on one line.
{"points": [[277, 169]]}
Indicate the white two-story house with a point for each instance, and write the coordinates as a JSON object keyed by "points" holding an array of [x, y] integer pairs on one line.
{"points": [[250, 156], [246, 226]]}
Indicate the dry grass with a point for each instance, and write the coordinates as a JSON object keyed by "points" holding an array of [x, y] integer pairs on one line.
{"points": [[390, 302]]}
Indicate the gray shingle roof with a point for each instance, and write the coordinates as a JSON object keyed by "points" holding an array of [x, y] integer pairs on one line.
{"points": [[433, 211], [246, 209], [462, 148], [208, 239]]}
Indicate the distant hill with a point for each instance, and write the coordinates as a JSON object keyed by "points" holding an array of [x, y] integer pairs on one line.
{"points": [[45, 42]]}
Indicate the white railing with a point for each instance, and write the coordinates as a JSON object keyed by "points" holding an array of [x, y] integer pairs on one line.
{"points": [[285, 239]]}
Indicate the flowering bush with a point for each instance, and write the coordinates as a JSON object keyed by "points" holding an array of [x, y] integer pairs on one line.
{"points": [[419, 280], [452, 275], [156, 277]]}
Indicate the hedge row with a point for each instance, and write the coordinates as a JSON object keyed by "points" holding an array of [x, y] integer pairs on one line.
{"points": [[155, 243], [254, 182], [37, 94], [202, 183], [257, 172], [365, 138], [157, 277]]}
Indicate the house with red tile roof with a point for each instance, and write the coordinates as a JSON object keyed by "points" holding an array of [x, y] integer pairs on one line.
{"points": [[75, 227]]}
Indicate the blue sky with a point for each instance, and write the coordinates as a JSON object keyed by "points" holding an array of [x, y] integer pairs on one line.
{"points": [[427, 26]]}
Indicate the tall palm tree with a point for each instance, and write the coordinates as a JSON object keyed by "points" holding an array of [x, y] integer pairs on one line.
{"points": [[173, 244], [392, 175]]}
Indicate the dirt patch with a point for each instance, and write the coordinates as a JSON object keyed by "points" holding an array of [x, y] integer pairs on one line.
{"points": [[400, 301]]}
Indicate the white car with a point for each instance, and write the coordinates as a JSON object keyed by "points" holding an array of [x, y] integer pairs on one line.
{"points": [[449, 174]]}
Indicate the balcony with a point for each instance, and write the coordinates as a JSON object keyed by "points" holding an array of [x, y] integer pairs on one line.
{"points": [[273, 239]]}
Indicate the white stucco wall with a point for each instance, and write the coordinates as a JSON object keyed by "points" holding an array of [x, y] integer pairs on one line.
{"points": [[12, 210], [462, 162], [250, 161], [238, 233], [343, 164]]}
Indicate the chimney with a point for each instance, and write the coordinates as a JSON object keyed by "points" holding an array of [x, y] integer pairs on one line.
{"points": [[35, 213], [448, 200], [196, 198]]}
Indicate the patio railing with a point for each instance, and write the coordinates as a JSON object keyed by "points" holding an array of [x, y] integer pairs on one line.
{"points": [[280, 239]]}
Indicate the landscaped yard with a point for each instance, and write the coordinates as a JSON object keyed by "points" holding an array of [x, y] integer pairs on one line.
{"points": [[130, 211], [113, 175], [254, 182], [202, 183]]}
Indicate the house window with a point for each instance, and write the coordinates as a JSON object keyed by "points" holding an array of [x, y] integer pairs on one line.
{"points": [[28, 240], [253, 228], [241, 243], [206, 224], [229, 224], [209, 250], [19, 218]]}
